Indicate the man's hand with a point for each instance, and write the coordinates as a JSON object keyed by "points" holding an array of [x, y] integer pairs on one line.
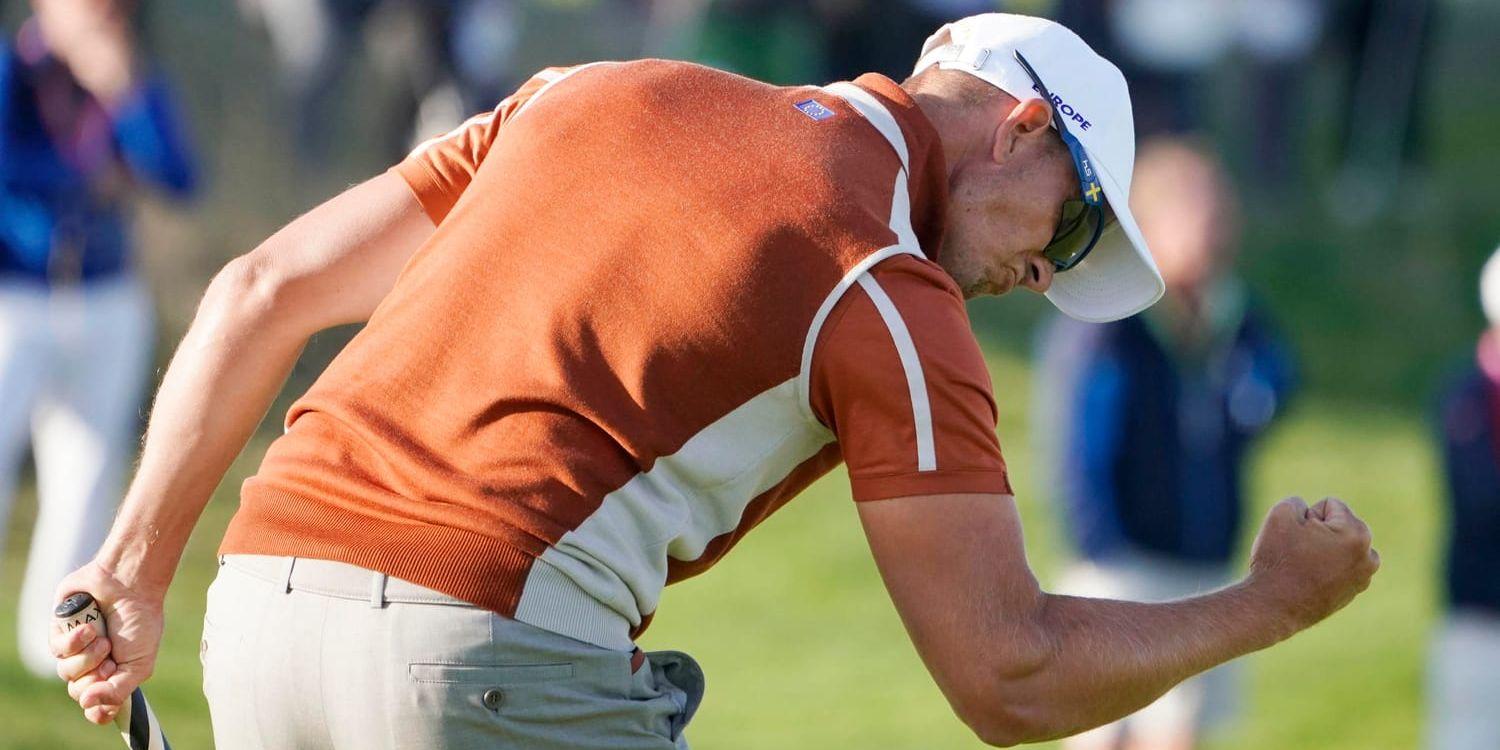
{"points": [[1311, 561], [102, 671], [105, 64], [94, 40]]}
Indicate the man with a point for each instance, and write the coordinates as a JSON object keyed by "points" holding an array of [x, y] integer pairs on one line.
{"points": [[1464, 667], [85, 125], [1155, 414], [659, 300]]}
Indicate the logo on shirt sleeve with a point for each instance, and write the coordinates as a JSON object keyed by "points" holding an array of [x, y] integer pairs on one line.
{"points": [[813, 109]]}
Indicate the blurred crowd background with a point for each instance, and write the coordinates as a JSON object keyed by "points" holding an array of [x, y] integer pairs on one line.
{"points": [[1317, 178]]}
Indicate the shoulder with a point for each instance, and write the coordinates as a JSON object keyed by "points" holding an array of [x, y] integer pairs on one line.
{"points": [[904, 314], [919, 291], [918, 276], [1259, 321], [1065, 347], [1463, 404], [649, 81], [8, 57], [1464, 389], [1094, 335], [1070, 344]]}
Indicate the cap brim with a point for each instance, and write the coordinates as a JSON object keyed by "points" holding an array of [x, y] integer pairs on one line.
{"points": [[1118, 278]]}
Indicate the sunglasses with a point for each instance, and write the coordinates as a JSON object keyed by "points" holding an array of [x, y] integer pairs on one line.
{"points": [[1083, 220]]}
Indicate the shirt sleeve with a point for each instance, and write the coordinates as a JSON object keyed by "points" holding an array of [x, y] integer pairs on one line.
{"points": [[899, 379], [440, 169], [153, 138]]}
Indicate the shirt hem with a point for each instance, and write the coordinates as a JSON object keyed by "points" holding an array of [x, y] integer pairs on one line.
{"points": [[930, 483], [481, 570]]}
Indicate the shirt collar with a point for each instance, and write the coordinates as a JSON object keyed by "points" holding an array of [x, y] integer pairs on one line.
{"points": [[929, 172]]}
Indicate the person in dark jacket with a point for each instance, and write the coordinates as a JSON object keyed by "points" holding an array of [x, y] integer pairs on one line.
{"points": [[1154, 417], [84, 124], [1464, 669]]}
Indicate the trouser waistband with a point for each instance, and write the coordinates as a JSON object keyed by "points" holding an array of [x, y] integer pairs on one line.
{"points": [[351, 582], [338, 580]]}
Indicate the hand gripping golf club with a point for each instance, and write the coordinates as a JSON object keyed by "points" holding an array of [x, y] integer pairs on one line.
{"points": [[137, 724]]}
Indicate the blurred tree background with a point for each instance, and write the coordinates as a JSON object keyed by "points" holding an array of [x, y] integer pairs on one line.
{"points": [[1336, 282]]}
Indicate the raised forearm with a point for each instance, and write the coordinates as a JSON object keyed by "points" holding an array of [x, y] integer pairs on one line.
{"points": [[1101, 660], [222, 379], [1020, 665]]}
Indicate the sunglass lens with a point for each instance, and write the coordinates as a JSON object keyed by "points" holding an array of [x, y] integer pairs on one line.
{"points": [[1077, 233]]}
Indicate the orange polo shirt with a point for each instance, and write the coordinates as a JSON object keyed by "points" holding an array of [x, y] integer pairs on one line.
{"points": [[661, 300]]}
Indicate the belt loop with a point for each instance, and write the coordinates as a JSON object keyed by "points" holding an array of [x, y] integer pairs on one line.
{"points": [[377, 590], [286, 577]]}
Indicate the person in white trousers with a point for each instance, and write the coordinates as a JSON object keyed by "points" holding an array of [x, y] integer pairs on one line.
{"points": [[72, 370], [85, 122], [1463, 662]]}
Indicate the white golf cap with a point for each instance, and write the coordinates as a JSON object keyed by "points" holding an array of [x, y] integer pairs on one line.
{"points": [[1118, 278], [1489, 288]]}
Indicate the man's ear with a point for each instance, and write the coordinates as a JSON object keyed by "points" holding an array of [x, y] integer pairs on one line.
{"points": [[1029, 119]]}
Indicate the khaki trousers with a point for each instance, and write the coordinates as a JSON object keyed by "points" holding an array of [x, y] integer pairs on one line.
{"points": [[304, 654]]}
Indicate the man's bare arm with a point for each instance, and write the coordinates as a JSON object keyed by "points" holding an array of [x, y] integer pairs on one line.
{"points": [[329, 267], [1021, 665]]}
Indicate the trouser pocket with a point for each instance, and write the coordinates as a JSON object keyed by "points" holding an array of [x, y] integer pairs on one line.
{"points": [[679, 677], [496, 690], [229, 655]]}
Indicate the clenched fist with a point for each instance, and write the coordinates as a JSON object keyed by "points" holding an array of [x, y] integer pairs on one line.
{"points": [[1310, 562]]}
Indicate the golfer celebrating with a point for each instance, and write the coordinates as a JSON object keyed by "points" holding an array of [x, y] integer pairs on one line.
{"points": [[612, 326]]}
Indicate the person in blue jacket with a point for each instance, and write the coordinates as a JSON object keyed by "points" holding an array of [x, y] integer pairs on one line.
{"points": [[1464, 664], [1154, 416], [85, 124]]}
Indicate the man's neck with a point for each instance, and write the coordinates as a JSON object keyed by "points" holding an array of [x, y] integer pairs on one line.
{"points": [[953, 123]]}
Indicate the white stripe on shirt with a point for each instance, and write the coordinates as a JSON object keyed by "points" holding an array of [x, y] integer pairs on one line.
{"points": [[916, 383]]}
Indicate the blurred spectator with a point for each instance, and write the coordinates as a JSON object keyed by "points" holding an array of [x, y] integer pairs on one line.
{"points": [[1278, 39], [1387, 45], [1464, 668], [444, 58], [877, 36], [796, 42], [1168, 49], [1157, 413], [85, 122]]}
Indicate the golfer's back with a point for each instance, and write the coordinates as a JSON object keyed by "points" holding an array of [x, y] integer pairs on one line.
{"points": [[599, 372]]}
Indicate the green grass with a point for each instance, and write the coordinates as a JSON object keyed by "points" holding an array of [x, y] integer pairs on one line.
{"points": [[803, 649]]}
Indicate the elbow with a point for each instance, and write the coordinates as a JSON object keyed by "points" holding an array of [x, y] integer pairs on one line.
{"points": [[1007, 703], [1005, 724], [242, 291], [1002, 733]]}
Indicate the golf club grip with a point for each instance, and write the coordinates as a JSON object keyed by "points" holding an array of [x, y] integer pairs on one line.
{"points": [[136, 721]]}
